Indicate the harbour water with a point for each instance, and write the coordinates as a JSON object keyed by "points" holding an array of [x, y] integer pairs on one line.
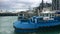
{"points": [[6, 27]]}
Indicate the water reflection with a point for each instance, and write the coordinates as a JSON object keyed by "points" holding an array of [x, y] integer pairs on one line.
{"points": [[45, 30]]}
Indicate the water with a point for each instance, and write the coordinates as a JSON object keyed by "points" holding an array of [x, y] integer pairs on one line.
{"points": [[6, 27]]}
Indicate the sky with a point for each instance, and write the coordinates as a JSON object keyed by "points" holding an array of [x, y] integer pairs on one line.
{"points": [[20, 4]]}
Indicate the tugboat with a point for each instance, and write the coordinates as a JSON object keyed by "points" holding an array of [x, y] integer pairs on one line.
{"points": [[45, 18]]}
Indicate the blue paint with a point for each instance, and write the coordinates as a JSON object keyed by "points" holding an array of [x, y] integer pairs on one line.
{"points": [[34, 23]]}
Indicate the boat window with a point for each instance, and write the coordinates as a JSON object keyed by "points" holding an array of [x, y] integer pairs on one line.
{"points": [[39, 19], [43, 15], [47, 15], [52, 14], [21, 14]]}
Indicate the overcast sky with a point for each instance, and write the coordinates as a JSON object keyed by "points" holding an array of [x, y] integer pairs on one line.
{"points": [[19, 4]]}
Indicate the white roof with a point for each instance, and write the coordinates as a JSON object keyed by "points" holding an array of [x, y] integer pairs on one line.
{"points": [[48, 12]]}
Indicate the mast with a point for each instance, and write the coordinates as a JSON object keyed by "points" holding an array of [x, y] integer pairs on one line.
{"points": [[42, 5], [41, 8]]}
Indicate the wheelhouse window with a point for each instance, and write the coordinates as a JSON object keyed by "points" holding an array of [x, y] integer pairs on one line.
{"points": [[48, 15], [21, 14]]}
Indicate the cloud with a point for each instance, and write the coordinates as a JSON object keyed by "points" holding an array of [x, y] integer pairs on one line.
{"points": [[19, 4], [4, 0], [49, 1], [27, 2]]}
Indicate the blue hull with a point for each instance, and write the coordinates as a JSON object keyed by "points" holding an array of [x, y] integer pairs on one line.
{"points": [[25, 27], [32, 27]]}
